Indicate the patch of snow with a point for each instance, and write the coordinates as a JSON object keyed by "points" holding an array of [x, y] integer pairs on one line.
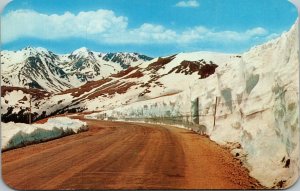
{"points": [[16, 135]]}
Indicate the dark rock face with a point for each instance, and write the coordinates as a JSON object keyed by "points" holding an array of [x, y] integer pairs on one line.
{"points": [[160, 63], [21, 117], [122, 58], [201, 67]]}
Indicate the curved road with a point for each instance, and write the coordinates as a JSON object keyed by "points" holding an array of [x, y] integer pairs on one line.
{"points": [[128, 156]]}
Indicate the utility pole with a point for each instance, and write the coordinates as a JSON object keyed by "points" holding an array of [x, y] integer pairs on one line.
{"points": [[29, 108], [191, 121], [215, 111], [29, 114]]}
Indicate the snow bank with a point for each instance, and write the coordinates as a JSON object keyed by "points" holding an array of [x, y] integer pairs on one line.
{"points": [[257, 109], [16, 135]]}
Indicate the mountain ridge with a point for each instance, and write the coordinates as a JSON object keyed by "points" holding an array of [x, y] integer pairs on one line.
{"points": [[59, 72]]}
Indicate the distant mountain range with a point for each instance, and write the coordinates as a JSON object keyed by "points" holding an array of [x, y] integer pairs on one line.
{"points": [[91, 81], [42, 69]]}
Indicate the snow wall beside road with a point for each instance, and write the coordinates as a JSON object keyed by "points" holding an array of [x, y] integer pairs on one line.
{"points": [[256, 112]]}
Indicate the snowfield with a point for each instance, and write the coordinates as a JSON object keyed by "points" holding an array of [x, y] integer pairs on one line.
{"points": [[16, 135], [257, 109]]}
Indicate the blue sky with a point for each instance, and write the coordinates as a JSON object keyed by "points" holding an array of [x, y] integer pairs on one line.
{"points": [[152, 27]]}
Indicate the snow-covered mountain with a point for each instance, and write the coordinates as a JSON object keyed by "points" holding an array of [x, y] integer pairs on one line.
{"points": [[36, 68], [43, 69], [87, 65], [148, 80]]}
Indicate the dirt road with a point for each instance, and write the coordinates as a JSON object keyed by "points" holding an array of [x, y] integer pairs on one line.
{"points": [[125, 155]]}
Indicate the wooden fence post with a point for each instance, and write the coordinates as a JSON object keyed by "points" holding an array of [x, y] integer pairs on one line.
{"points": [[215, 111], [29, 120]]}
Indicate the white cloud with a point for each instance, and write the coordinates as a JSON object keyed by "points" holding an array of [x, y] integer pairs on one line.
{"points": [[258, 31], [28, 23], [189, 3], [145, 34], [272, 36], [103, 26], [150, 34], [201, 33]]}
